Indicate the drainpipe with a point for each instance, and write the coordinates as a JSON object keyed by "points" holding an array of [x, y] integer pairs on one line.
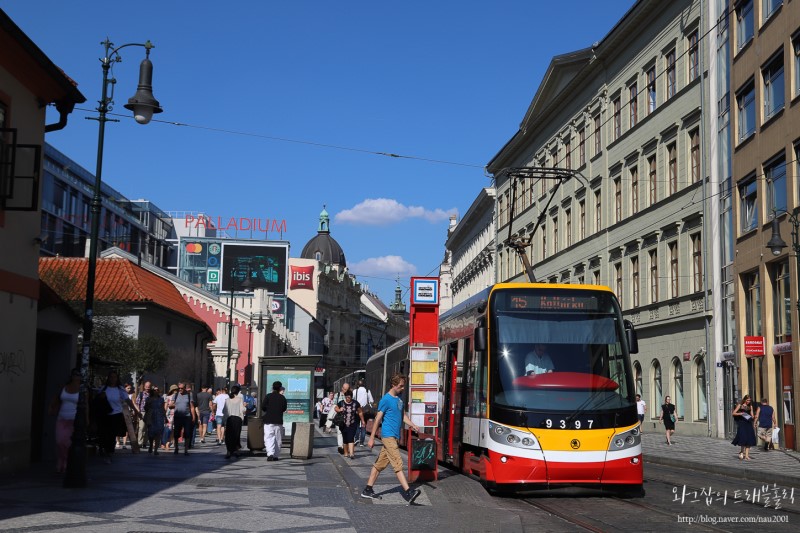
{"points": [[64, 109]]}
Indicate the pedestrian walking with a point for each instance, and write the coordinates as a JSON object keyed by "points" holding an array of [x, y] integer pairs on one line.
{"points": [[351, 415], [203, 411], [233, 413], [112, 424], [141, 429], [218, 405], [273, 406], [668, 417], [767, 422], [335, 427], [327, 404], [390, 418], [183, 417], [745, 428], [64, 406], [364, 398], [155, 417], [641, 409], [166, 439]]}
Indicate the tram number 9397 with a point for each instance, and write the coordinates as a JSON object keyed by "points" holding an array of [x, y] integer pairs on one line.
{"points": [[549, 423]]}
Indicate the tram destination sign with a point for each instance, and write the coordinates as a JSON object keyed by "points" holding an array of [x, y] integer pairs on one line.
{"points": [[547, 302]]}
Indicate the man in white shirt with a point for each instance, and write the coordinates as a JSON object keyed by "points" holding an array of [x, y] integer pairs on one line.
{"points": [[641, 408], [364, 398], [538, 361], [218, 404]]}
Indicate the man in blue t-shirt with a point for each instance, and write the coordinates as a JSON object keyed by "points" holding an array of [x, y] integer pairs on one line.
{"points": [[766, 423], [391, 416]]}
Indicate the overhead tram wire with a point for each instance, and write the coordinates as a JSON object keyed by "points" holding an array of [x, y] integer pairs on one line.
{"points": [[307, 143]]}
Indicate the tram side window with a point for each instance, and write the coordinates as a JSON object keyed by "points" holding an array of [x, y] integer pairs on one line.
{"points": [[475, 377]]}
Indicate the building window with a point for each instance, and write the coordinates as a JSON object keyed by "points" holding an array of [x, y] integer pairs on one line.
{"points": [[772, 75], [677, 380], [651, 90], [700, 388], [658, 391], [775, 174], [672, 156], [633, 104], [671, 79], [694, 141], [694, 57], [617, 118], [555, 235], [568, 154], [596, 277], [653, 276], [598, 211], [582, 146], [652, 177], [770, 6], [697, 263], [618, 200], [673, 269], [618, 281], [568, 229], [635, 280], [582, 220], [746, 106], [744, 23], [635, 190], [748, 210], [597, 135], [637, 378], [752, 304], [796, 46], [782, 304], [544, 241]]}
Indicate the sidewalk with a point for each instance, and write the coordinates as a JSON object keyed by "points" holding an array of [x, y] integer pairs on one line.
{"points": [[204, 491], [719, 456]]}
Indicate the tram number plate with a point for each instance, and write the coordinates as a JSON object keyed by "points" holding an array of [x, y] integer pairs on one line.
{"points": [[563, 423]]}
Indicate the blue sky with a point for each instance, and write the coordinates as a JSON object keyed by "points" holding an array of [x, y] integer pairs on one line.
{"points": [[267, 90]]}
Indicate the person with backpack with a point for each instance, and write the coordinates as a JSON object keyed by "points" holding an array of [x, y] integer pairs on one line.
{"points": [[365, 400], [107, 405]]}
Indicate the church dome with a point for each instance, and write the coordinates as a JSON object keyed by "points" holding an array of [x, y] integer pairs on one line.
{"points": [[323, 247]]}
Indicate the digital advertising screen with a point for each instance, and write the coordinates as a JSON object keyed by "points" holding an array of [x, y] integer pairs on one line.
{"points": [[265, 264]]}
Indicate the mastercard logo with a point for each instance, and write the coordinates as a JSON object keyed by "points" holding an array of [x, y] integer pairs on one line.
{"points": [[194, 248]]}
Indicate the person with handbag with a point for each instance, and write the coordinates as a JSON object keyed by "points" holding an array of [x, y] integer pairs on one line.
{"points": [[668, 417], [110, 421], [155, 417], [745, 428], [350, 412], [366, 401]]}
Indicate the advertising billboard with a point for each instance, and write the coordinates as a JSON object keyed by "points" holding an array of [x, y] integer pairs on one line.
{"points": [[265, 264]]}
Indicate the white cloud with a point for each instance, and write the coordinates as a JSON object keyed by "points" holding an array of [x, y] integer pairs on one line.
{"points": [[387, 266], [385, 211]]}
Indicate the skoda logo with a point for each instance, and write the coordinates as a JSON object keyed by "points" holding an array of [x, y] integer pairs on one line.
{"points": [[575, 443]]}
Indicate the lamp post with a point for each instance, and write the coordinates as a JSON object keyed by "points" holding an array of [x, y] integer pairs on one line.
{"points": [[247, 286], [776, 244], [143, 105]]}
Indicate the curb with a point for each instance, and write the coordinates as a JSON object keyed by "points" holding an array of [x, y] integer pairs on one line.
{"points": [[741, 472]]}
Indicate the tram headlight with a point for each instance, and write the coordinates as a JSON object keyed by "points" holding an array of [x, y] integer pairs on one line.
{"points": [[635, 431], [512, 439], [619, 443], [527, 442], [498, 430], [629, 440]]}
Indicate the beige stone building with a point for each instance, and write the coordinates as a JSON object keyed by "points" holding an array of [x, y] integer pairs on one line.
{"points": [[627, 115]]}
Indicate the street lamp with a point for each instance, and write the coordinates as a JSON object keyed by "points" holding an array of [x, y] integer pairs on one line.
{"points": [[247, 286], [143, 105], [777, 244]]}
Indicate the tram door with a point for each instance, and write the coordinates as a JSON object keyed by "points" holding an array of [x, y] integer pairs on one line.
{"points": [[451, 407], [786, 402]]}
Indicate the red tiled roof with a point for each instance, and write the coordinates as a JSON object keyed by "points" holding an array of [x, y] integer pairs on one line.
{"points": [[116, 280]]}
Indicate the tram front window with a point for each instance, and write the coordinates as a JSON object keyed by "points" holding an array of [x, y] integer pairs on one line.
{"points": [[566, 358]]}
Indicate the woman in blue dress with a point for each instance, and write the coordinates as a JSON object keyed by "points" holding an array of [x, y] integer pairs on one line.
{"points": [[745, 431]]}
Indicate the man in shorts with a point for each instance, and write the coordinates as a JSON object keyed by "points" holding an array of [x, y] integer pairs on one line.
{"points": [[390, 413]]}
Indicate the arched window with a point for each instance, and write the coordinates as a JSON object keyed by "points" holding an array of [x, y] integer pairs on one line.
{"points": [[637, 376], [318, 256], [677, 386], [657, 390], [700, 392]]}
